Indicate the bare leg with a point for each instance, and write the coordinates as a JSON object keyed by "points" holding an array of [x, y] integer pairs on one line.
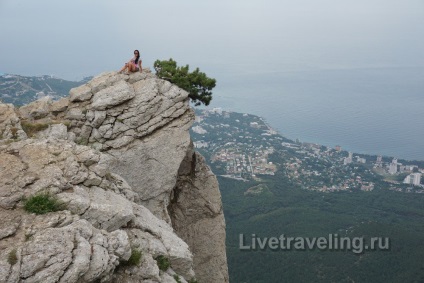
{"points": [[131, 67], [123, 68]]}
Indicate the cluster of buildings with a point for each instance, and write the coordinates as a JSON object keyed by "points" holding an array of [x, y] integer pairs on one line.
{"points": [[240, 145], [325, 177], [349, 185], [356, 183], [350, 159], [239, 164], [394, 168], [317, 167]]}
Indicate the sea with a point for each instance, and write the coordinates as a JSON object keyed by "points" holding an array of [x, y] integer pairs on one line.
{"points": [[377, 111]]}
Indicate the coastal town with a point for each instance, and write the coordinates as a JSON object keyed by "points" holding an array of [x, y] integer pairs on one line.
{"points": [[244, 147], [242, 152]]}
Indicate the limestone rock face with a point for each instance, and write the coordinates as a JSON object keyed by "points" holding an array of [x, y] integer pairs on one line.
{"points": [[113, 95], [121, 115], [197, 217], [37, 109], [117, 155], [88, 240], [10, 126]]}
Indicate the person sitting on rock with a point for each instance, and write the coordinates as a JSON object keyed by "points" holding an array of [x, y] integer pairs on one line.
{"points": [[134, 65]]}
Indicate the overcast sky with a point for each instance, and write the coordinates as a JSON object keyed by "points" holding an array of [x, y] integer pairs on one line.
{"points": [[73, 39]]}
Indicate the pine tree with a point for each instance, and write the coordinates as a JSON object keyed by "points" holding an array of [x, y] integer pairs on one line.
{"points": [[197, 84]]}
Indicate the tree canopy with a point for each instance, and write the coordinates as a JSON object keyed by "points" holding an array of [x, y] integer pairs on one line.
{"points": [[197, 84]]}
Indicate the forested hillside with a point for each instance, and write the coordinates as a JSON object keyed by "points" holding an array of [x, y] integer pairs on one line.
{"points": [[301, 213]]}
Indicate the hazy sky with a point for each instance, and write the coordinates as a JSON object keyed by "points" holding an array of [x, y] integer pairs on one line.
{"points": [[73, 39]]}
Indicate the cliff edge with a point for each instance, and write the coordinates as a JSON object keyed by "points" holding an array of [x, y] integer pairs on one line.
{"points": [[117, 156]]}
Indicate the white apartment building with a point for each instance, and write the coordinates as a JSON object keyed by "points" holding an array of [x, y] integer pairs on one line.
{"points": [[393, 167], [413, 179]]}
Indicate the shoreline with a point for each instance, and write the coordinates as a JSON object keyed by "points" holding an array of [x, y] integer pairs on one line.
{"points": [[365, 155]]}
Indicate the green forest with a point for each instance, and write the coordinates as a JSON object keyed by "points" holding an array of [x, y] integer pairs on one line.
{"points": [[302, 213]]}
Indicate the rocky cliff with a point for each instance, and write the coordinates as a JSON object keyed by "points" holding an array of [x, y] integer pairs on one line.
{"points": [[117, 159]]}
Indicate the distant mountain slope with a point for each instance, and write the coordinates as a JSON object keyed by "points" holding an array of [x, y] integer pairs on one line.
{"points": [[21, 90]]}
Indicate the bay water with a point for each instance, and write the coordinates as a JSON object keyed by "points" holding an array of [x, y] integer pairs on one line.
{"points": [[370, 110]]}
